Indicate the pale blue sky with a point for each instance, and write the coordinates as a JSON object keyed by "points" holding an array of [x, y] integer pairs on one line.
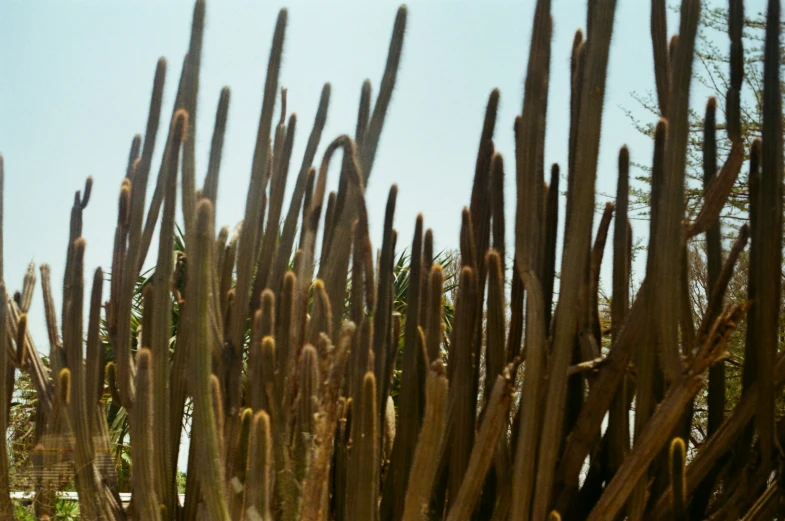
{"points": [[77, 77]]}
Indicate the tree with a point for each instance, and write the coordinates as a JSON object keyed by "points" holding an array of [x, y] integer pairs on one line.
{"points": [[711, 71]]}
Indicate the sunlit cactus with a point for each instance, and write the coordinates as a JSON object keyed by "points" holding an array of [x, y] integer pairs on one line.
{"points": [[312, 390]]}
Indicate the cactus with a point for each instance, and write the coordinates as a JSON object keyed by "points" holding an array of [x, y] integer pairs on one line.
{"points": [[145, 496], [311, 415], [424, 467], [659, 38], [523, 477], [372, 133], [483, 450], [320, 321], [676, 466], [434, 314], [277, 187], [260, 465], [576, 248], [365, 449], [188, 99], [618, 418], [250, 234], [385, 346], [412, 391], [6, 508], [647, 357], [550, 240], [666, 262], [595, 264], [206, 424], [308, 383], [160, 326], [460, 401], [240, 465], [130, 253], [769, 233]]}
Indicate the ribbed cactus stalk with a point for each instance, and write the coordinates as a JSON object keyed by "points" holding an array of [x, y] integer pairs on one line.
{"points": [[480, 213], [361, 360], [25, 298], [206, 425], [659, 37], [461, 416], [523, 476], [78, 412], [128, 240], [483, 451], [160, 323], [677, 459], [321, 314], [64, 396], [217, 403], [188, 97], [315, 490], [56, 354], [389, 426], [672, 46], [111, 381], [385, 346], [278, 179], [665, 264], [286, 352], [270, 400], [733, 99], [424, 466], [145, 499], [749, 374], [646, 357], [288, 233], [716, 399], [595, 263], [340, 470], [550, 240], [618, 420], [240, 466], [21, 340], [371, 135], [412, 390], [250, 234], [94, 353], [365, 450], [495, 356], [362, 285], [434, 314], [258, 492], [210, 188], [308, 383], [770, 232], [576, 248], [6, 508]]}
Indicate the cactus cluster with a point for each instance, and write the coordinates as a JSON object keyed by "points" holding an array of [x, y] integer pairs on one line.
{"points": [[296, 419]]}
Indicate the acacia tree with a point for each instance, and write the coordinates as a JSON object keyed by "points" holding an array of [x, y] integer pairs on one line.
{"points": [[711, 71]]}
